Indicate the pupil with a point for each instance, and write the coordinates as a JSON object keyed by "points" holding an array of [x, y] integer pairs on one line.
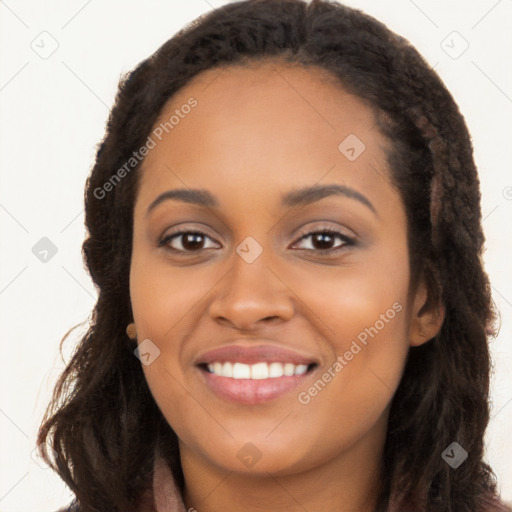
{"points": [[321, 237], [194, 237]]}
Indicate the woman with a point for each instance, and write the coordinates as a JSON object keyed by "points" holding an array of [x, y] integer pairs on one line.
{"points": [[284, 229]]}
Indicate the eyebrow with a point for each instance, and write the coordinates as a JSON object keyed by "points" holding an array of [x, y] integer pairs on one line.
{"points": [[297, 197]]}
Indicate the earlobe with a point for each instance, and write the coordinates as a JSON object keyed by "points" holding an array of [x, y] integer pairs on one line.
{"points": [[427, 316]]}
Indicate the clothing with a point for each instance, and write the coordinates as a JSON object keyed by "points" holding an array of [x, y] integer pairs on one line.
{"points": [[166, 496]]}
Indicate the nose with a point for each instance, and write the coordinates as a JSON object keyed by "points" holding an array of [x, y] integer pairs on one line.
{"points": [[251, 294]]}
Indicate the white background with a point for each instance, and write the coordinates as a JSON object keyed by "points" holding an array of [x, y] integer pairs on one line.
{"points": [[53, 113]]}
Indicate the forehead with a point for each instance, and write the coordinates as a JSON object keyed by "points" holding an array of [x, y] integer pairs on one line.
{"points": [[263, 126]]}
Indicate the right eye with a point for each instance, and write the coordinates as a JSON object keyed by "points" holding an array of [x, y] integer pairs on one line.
{"points": [[188, 240]]}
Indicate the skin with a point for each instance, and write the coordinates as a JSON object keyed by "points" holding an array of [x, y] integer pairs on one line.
{"points": [[256, 133]]}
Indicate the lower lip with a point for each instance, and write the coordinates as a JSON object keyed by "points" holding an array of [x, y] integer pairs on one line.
{"points": [[252, 391]]}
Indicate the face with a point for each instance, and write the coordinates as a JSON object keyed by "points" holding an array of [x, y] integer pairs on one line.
{"points": [[299, 258]]}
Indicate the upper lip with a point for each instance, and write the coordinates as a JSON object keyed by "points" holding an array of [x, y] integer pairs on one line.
{"points": [[254, 353]]}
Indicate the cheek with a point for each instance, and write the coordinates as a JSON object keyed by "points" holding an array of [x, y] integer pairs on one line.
{"points": [[169, 393], [364, 317], [352, 393], [167, 306], [164, 300], [350, 298]]}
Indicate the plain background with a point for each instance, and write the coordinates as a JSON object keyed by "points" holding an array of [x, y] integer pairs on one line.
{"points": [[53, 113]]}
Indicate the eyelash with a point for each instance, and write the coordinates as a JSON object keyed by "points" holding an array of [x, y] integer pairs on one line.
{"points": [[347, 241]]}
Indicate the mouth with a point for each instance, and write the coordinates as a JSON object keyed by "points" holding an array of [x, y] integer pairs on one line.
{"points": [[256, 383], [258, 371]]}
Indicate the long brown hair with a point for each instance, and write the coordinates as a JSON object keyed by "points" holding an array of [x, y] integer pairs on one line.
{"points": [[103, 422]]}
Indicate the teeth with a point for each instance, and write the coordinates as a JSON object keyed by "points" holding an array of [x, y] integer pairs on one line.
{"points": [[259, 371], [289, 369], [217, 368], [275, 370], [227, 370], [301, 369], [256, 371], [241, 371]]}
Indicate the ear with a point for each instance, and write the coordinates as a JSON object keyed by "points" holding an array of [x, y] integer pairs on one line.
{"points": [[426, 316]]}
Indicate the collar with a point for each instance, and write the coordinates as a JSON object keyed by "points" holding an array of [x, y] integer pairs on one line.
{"points": [[166, 495]]}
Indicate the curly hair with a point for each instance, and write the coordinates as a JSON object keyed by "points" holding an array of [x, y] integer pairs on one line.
{"points": [[103, 422]]}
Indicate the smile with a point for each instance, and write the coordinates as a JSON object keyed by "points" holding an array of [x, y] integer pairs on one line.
{"points": [[256, 371], [252, 384]]}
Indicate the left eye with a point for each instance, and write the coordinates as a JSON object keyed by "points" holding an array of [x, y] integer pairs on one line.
{"points": [[326, 237], [191, 241]]}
